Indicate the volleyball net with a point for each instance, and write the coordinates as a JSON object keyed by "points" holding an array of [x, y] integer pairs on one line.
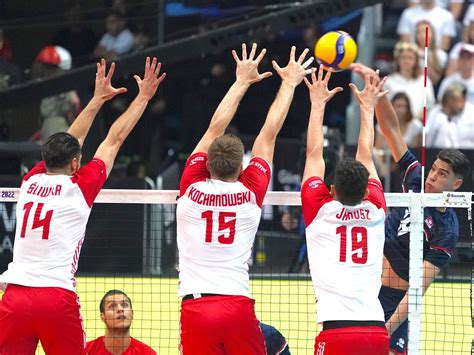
{"points": [[131, 246]]}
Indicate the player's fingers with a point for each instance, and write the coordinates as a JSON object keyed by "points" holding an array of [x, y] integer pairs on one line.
{"points": [[266, 75], [236, 57], [382, 83], [292, 53], [328, 75], [276, 66], [367, 79], [162, 77], [121, 90], [303, 55], [306, 81], [252, 51], [336, 90], [157, 69], [153, 65], [307, 63], [147, 67], [313, 75], [320, 72], [261, 55], [137, 79], [111, 71], [354, 88], [244, 51]]}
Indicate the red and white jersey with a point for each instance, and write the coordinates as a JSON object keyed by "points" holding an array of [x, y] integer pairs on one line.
{"points": [[216, 226], [345, 252], [52, 213]]}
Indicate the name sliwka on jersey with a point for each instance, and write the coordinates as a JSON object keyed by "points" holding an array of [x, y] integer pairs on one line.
{"points": [[44, 191]]}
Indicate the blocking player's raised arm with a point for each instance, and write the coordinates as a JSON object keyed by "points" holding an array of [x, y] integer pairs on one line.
{"points": [[104, 91], [246, 74], [319, 95], [122, 127], [386, 117], [367, 99], [291, 76]]}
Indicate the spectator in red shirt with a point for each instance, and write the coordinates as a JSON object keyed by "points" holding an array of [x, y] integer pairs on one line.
{"points": [[117, 313]]}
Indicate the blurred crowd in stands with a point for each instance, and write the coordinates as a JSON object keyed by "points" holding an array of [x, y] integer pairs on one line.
{"points": [[174, 121]]}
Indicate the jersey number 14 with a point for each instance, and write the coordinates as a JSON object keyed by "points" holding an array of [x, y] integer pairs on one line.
{"points": [[37, 221], [358, 244]]}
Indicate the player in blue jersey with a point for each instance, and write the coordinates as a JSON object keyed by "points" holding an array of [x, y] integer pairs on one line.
{"points": [[441, 226], [275, 342]]}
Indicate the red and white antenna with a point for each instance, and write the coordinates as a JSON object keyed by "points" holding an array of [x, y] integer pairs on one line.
{"points": [[423, 142]]}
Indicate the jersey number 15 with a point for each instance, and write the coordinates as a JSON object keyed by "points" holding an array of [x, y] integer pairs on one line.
{"points": [[226, 225], [358, 244]]}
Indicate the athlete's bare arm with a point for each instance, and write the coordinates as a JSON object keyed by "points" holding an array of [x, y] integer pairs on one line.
{"points": [[291, 76], [122, 127], [401, 313], [386, 118], [319, 95], [246, 74], [103, 92], [367, 99]]}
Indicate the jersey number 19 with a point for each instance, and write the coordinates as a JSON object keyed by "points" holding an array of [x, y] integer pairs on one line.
{"points": [[358, 244]]}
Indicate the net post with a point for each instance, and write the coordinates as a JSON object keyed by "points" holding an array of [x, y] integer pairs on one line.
{"points": [[415, 291]]}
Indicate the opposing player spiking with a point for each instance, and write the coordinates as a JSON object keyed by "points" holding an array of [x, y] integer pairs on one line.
{"points": [[56, 197], [218, 214], [441, 225], [345, 230]]}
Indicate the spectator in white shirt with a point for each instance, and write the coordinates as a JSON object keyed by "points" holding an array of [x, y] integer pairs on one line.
{"points": [[451, 124], [466, 43], [117, 40], [408, 78], [437, 58], [454, 6], [442, 20], [464, 75]]}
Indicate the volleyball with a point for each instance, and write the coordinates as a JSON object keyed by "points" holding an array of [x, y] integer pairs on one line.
{"points": [[335, 49]]}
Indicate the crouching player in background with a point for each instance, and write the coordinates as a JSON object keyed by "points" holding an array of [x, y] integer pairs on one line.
{"points": [[117, 313], [345, 231]]}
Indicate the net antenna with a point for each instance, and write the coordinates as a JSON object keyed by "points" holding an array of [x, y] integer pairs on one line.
{"points": [[415, 290]]}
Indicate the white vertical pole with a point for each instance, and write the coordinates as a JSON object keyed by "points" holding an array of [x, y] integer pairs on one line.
{"points": [[415, 291]]}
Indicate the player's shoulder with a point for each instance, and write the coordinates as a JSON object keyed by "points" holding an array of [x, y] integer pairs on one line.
{"points": [[448, 219]]}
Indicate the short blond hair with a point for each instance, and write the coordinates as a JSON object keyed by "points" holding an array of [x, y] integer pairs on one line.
{"points": [[225, 156]]}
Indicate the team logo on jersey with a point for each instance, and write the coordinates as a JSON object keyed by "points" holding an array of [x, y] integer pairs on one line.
{"points": [[429, 222], [195, 160], [404, 227], [315, 183], [258, 165], [401, 343]]}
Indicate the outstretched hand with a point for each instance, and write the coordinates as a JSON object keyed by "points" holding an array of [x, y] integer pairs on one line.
{"points": [[151, 80], [295, 71], [318, 87], [103, 87], [247, 67], [372, 92]]}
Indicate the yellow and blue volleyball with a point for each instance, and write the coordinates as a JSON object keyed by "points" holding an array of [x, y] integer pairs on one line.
{"points": [[335, 49]]}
